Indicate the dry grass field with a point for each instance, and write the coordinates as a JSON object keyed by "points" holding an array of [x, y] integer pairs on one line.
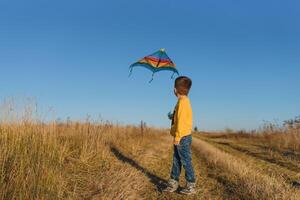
{"points": [[105, 161]]}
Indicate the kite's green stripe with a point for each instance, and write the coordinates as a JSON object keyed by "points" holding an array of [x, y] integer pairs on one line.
{"points": [[153, 69]]}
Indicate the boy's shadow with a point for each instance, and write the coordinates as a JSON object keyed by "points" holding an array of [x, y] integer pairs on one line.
{"points": [[157, 181]]}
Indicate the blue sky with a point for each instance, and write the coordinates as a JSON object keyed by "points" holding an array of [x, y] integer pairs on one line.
{"points": [[73, 56]]}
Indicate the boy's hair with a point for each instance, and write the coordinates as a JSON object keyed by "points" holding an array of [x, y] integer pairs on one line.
{"points": [[183, 85]]}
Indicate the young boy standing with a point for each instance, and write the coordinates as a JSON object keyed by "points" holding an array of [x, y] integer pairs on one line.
{"points": [[181, 130]]}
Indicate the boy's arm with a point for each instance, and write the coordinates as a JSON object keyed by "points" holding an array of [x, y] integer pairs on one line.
{"points": [[181, 112]]}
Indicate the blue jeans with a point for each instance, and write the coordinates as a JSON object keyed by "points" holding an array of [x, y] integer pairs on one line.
{"points": [[182, 157]]}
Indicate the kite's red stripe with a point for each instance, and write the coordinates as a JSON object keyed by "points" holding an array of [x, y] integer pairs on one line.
{"points": [[155, 64], [157, 59], [154, 61]]}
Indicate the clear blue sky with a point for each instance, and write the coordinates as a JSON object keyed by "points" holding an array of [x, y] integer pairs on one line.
{"points": [[243, 56]]}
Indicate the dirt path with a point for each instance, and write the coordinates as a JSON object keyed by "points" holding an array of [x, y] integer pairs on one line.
{"points": [[152, 163]]}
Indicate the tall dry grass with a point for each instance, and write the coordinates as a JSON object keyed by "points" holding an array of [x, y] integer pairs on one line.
{"points": [[65, 161], [243, 179], [282, 140]]}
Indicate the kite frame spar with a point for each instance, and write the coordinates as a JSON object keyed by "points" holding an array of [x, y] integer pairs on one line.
{"points": [[156, 62]]}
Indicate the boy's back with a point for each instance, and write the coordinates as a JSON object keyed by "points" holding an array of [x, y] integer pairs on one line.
{"points": [[182, 122]]}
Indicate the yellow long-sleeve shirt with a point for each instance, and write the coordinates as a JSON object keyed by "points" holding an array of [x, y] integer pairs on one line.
{"points": [[182, 122]]}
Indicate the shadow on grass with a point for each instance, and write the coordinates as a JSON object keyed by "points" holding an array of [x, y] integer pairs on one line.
{"points": [[157, 181]]}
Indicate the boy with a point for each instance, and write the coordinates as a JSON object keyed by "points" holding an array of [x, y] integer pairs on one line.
{"points": [[181, 130]]}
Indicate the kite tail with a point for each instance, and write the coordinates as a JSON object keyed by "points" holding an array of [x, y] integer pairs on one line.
{"points": [[130, 71], [152, 78], [172, 77]]}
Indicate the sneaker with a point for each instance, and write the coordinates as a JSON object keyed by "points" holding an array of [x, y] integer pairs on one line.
{"points": [[172, 186], [190, 188]]}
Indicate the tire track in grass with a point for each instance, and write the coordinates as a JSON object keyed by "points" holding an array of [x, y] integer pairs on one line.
{"points": [[207, 188], [163, 169], [265, 154], [242, 179], [264, 161], [209, 185]]}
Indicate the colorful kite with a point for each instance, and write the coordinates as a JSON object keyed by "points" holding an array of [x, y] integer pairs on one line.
{"points": [[155, 62]]}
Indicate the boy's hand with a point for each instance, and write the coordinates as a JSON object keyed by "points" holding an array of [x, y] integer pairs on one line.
{"points": [[176, 143], [170, 115]]}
